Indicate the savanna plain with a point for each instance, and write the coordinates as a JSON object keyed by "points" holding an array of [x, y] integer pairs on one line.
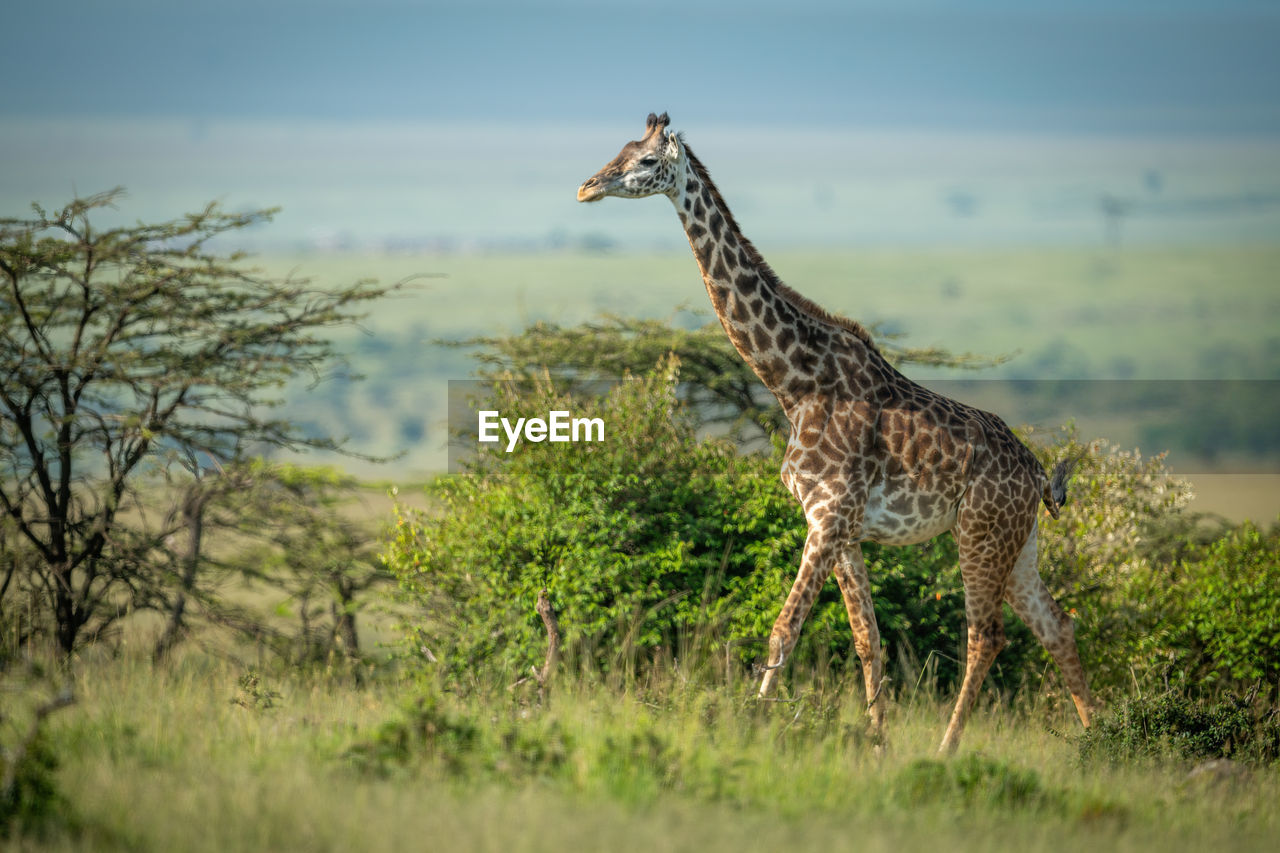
{"points": [[229, 744], [1194, 315]]}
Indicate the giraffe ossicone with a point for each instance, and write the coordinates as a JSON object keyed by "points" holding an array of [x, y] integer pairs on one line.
{"points": [[872, 456]]}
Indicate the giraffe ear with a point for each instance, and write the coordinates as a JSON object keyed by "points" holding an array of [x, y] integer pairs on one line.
{"points": [[671, 147]]}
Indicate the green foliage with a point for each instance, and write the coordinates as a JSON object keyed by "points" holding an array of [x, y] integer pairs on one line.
{"points": [[653, 539], [1123, 515], [253, 694], [1173, 726], [1219, 613], [633, 536], [426, 730], [971, 781], [32, 797], [660, 543], [1157, 592], [655, 543]]}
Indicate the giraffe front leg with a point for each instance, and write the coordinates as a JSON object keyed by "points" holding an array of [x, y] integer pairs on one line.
{"points": [[815, 567], [986, 639], [984, 581], [855, 587]]}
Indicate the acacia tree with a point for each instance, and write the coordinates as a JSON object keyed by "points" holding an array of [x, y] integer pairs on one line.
{"points": [[129, 347], [302, 537]]}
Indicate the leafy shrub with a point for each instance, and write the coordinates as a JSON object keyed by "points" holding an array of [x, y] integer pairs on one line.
{"points": [[30, 794], [253, 694], [1149, 593], [971, 781], [1113, 531], [427, 729], [1174, 726], [659, 543], [630, 536], [1219, 607], [655, 542], [1160, 593]]}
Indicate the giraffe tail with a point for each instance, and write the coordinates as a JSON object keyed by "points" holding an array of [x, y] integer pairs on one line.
{"points": [[1056, 493]]}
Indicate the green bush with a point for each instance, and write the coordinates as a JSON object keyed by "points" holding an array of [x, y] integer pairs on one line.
{"points": [[1219, 608], [1122, 511], [630, 536], [656, 543], [31, 795], [969, 782], [1173, 726], [1160, 596], [426, 730], [664, 541], [660, 543]]}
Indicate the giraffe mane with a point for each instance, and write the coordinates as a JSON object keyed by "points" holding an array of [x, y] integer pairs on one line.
{"points": [[797, 300]]}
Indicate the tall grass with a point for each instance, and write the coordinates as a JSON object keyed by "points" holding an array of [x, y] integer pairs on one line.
{"points": [[207, 754]]}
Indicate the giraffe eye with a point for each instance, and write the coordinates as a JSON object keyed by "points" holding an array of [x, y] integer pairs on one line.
{"points": [[649, 161]]}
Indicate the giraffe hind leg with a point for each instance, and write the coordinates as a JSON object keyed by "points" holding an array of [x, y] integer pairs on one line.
{"points": [[1031, 600]]}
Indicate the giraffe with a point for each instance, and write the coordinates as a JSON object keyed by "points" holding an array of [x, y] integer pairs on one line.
{"points": [[871, 456]]}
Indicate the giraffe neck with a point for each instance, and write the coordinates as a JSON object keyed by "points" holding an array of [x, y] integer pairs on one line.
{"points": [[795, 347]]}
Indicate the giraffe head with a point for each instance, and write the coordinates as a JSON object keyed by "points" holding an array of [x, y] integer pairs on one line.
{"points": [[645, 167]]}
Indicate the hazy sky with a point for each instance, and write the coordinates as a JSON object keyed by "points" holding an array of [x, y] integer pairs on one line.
{"points": [[469, 121], [1149, 65]]}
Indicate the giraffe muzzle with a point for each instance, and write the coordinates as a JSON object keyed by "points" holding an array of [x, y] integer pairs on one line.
{"points": [[592, 190]]}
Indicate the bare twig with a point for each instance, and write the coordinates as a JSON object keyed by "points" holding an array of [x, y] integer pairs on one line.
{"points": [[876, 695], [787, 727]]}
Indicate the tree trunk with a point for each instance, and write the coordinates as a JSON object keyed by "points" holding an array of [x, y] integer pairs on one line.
{"points": [[193, 520], [549, 621], [344, 616], [66, 618]]}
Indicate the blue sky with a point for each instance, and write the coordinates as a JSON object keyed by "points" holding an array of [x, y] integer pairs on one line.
{"points": [[462, 123]]}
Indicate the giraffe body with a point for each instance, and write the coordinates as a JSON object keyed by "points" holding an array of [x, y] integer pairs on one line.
{"points": [[872, 456]]}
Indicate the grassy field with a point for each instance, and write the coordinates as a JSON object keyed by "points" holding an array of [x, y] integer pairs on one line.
{"points": [[1069, 313], [208, 754], [1136, 313]]}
